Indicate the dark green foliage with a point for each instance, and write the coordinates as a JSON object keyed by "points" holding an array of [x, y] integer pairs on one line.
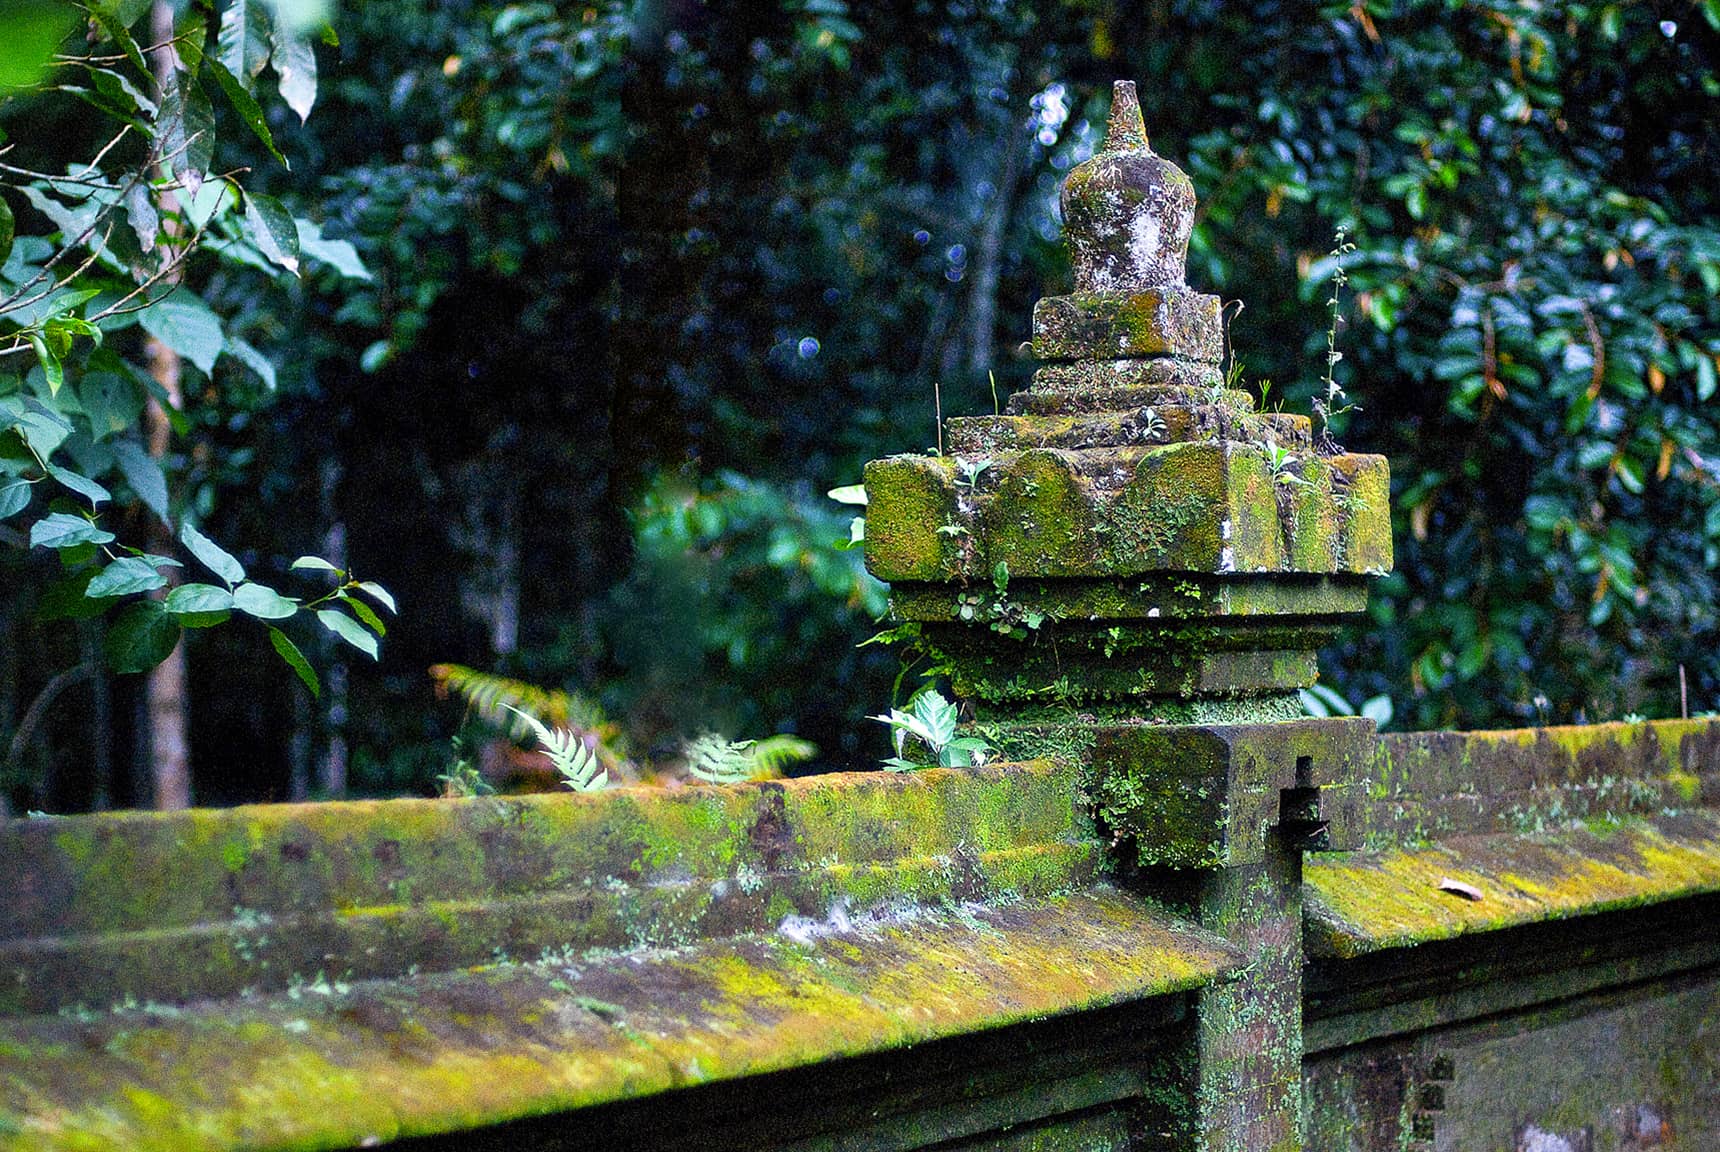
{"points": [[613, 244]]}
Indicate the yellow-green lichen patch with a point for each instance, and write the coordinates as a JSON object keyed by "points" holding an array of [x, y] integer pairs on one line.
{"points": [[1363, 488], [1254, 534], [909, 498], [1039, 522], [338, 1067], [1367, 902]]}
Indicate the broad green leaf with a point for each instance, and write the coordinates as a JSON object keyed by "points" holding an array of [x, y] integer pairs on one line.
{"points": [[143, 472], [50, 361], [348, 629], [112, 21], [313, 563], [254, 360], [30, 33], [248, 109], [125, 576], [187, 128], [365, 613], [185, 324], [14, 497], [295, 660], [82, 485], [60, 530], [212, 556], [848, 494], [112, 403], [337, 254], [271, 229], [296, 63], [43, 429], [8, 226], [378, 593], [198, 598], [142, 637], [192, 36], [64, 599], [263, 602], [242, 45]]}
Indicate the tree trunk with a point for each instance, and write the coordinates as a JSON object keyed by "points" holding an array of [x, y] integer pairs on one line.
{"points": [[166, 693], [331, 773], [988, 259]]}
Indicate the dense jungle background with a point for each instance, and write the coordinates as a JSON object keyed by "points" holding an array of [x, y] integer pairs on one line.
{"points": [[640, 282]]}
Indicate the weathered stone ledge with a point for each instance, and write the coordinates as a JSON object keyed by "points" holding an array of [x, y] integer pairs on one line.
{"points": [[1368, 902], [332, 1065]]}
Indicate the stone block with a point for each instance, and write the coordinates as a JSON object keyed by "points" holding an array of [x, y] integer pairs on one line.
{"points": [[1204, 796], [1138, 325]]}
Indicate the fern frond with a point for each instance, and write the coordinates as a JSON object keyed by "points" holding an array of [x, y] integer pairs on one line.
{"points": [[715, 759], [773, 754], [494, 697], [574, 761]]}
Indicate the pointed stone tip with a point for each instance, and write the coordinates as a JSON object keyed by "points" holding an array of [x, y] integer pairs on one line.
{"points": [[1125, 130]]}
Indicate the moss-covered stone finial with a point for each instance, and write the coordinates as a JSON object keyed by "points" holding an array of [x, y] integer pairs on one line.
{"points": [[1127, 212], [1125, 131]]}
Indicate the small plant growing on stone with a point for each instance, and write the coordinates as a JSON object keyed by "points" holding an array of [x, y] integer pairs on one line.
{"points": [[971, 471], [463, 780], [931, 720], [715, 759], [577, 764], [1334, 401], [851, 494], [1152, 425], [1279, 460]]}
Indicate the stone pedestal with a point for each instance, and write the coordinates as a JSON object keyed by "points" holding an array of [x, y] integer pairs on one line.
{"points": [[1133, 568]]}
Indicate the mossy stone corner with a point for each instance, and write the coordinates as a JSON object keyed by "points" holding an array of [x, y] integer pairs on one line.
{"points": [[1128, 462]]}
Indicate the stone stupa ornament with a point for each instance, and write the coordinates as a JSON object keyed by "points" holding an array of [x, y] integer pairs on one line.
{"points": [[1131, 541]]}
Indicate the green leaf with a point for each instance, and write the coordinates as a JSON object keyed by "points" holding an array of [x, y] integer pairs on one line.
{"points": [[8, 226], [365, 613], [107, 14], [254, 360], [337, 254], [378, 593], [142, 637], [192, 599], [849, 494], [125, 576], [14, 497], [312, 563], [213, 557], [271, 229], [59, 530], [295, 62], [349, 630], [242, 45], [187, 127], [185, 324], [295, 660], [263, 602], [143, 472], [112, 403], [193, 36], [82, 485], [30, 33], [248, 109], [50, 361], [64, 599], [1705, 381]]}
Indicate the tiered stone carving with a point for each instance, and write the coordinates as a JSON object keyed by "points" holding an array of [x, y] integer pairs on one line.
{"points": [[1132, 540]]}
